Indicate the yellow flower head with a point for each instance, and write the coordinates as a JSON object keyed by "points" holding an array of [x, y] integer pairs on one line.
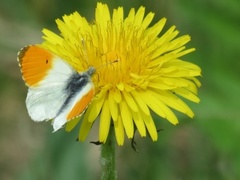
{"points": [[137, 71]]}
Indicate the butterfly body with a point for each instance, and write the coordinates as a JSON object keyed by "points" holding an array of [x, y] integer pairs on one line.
{"points": [[56, 90]]}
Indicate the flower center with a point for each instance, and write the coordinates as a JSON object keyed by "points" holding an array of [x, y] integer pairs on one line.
{"points": [[111, 57], [108, 69]]}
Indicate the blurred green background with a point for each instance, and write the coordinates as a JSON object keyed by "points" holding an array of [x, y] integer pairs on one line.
{"points": [[206, 147]]}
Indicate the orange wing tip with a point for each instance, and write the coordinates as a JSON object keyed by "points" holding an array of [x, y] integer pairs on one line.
{"points": [[21, 54], [35, 62]]}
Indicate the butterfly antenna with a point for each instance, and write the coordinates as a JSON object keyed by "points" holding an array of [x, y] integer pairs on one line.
{"points": [[106, 64]]}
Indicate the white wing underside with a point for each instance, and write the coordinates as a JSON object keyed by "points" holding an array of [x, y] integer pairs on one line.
{"points": [[61, 119], [44, 101]]}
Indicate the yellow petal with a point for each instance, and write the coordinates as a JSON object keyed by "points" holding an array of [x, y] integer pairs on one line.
{"points": [[196, 81], [120, 86], [152, 32], [150, 101], [84, 129], [174, 102], [105, 120], [178, 42], [182, 53], [142, 105], [158, 106], [71, 124], [149, 123], [95, 107], [173, 82], [193, 70], [138, 120], [187, 94], [139, 17], [102, 15], [147, 20], [65, 30], [127, 119], [161, 86], [130, 18], [117, 96], [51, 37], [113, 106], [163, 41], [130, 101], [119, 131], [118, 18]]}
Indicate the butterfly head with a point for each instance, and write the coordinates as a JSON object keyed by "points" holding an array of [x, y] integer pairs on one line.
{"points": [[91, 71]]}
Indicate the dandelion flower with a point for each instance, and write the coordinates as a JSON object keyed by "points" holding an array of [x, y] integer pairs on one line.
{"points": [[138, 71]]}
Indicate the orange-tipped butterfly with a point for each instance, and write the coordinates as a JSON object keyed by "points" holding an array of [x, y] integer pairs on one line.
{"points": [[56, 91]]}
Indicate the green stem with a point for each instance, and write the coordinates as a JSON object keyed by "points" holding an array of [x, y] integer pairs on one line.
{"points": [[107, 159]]}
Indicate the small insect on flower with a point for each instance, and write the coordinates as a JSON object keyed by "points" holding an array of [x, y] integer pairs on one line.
{"points": [[120, 68]]}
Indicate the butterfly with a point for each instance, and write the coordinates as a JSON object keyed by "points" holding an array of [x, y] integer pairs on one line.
{"points": [[56, 91]]}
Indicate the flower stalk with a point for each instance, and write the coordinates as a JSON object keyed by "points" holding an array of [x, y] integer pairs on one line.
{"points": [[107, 158]]}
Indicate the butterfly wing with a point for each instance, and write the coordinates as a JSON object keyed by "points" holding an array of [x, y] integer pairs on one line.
{"points": [[75, 106], [48, 78]]}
